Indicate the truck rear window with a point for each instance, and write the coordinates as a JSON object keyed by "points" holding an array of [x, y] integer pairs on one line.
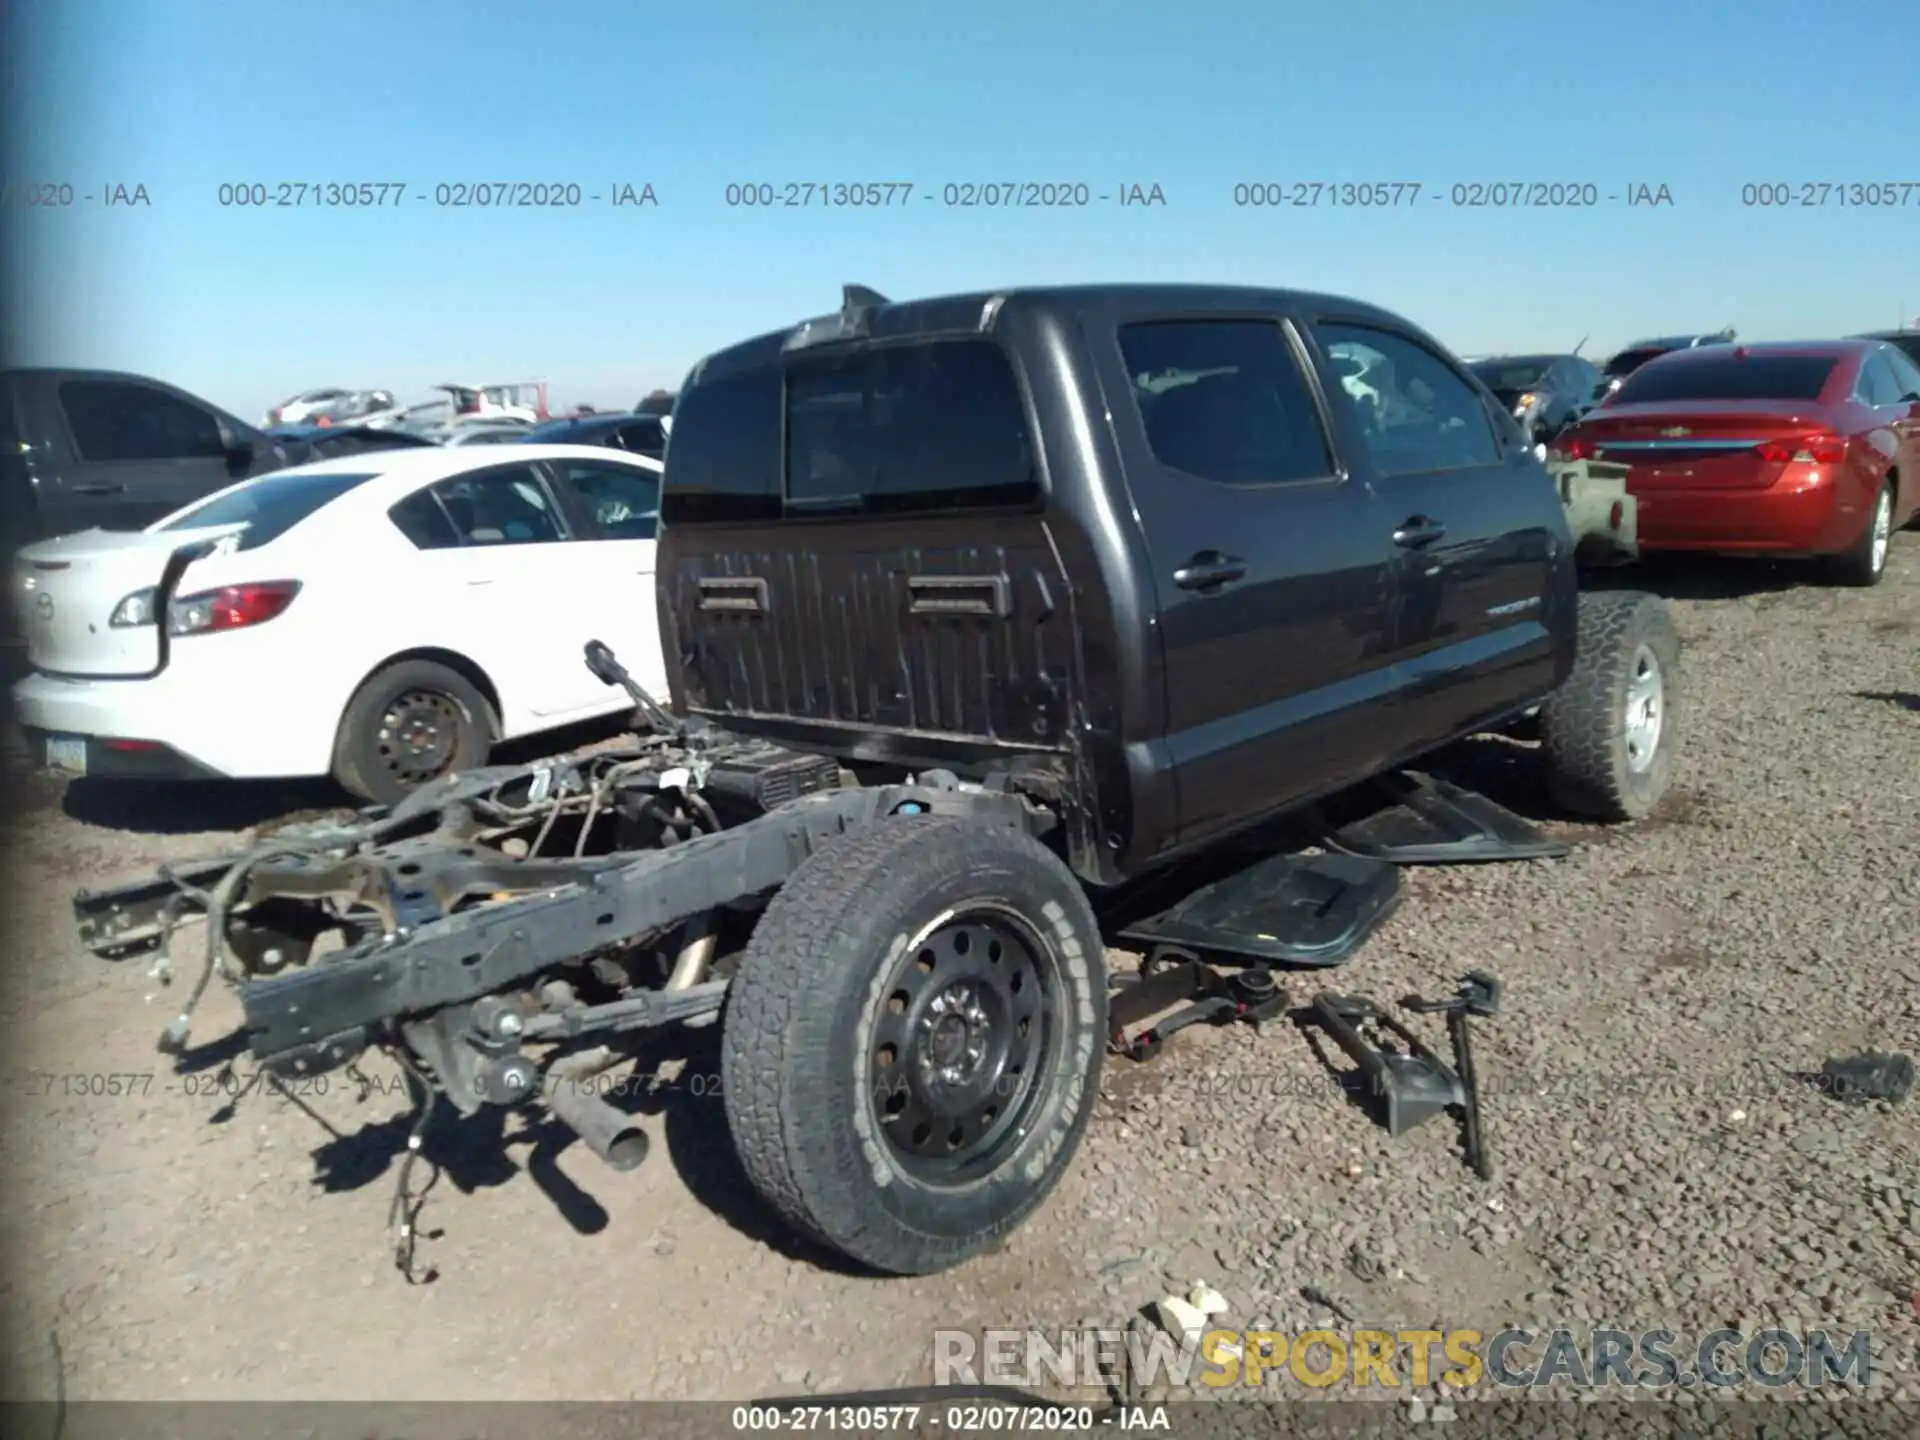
{"points": [[921, 428], [1729, 377], [908, 428]]}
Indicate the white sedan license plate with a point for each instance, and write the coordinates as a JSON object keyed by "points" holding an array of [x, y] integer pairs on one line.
{"points": [[68, 753]]}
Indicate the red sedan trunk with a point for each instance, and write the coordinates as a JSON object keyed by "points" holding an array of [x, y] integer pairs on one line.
{"points": [[1762, 448]]}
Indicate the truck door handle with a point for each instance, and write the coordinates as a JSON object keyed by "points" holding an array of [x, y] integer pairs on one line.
{"points": [[1209, 570], [1417, 532], [99, 489]]}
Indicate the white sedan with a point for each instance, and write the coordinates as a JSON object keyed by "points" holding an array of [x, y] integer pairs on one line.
{"points": [[384, 618]]}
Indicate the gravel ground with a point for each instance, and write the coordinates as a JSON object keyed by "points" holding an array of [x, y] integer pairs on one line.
{"points": [[1659, 1164]]}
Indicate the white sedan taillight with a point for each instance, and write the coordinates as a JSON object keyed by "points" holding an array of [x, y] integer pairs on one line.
{"points": [[232, 607]]}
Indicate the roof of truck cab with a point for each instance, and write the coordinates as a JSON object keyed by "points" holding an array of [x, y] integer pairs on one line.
{"points": [[69, 372], [963, 313]]}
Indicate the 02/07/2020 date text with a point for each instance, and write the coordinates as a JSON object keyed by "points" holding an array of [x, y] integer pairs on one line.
{"points": [[447, 195], [1462, 195], [954, 195]]}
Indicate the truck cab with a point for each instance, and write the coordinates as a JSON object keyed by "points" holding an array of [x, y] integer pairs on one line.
{"points": [[85, 448], [1141, 546]]}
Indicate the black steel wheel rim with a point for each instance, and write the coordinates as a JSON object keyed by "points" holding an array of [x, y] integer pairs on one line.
{"points": [[965, 1030], [419, 735]]}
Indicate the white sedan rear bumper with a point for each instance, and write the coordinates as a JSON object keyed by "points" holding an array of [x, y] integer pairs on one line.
{"points": [[209, 730]]}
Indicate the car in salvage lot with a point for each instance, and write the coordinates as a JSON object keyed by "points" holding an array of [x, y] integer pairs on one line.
{"points": [[637, 434], [1906, 341], [978, 604], [1545, 393], [1625, 361], [1794, 450], [383, 617]]}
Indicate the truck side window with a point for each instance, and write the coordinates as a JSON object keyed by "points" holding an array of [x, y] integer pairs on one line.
{"points": [[1416, 414], [117, 420], [1225, 400]]}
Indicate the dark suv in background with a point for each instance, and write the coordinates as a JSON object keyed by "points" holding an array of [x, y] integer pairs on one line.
{"points": [[637, 434], [1544, 393], [1907, 342], [1626, 361]]}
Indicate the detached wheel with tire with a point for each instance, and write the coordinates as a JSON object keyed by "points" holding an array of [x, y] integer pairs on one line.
{"points": [[913, 1040], [408, 724], [1611, 732], [1865, 561]]}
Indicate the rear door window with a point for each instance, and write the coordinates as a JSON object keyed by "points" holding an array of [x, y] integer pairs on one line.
{"points": [[117, 420], [269, 506], [425, 522], [507, 506], [907, 429], [1226, 400], [620, 502]]}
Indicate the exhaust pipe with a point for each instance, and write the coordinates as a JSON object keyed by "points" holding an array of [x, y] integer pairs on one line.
{"points": [[690, 967], [609, 1133]]}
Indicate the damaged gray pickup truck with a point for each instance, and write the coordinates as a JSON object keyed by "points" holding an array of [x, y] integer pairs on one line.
{"points": [[976, 610]]}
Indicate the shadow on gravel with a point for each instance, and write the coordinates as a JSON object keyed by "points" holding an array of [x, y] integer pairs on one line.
{"points": [[1905, 699], [188, 807], [1159, 889], [1506, 770], [701, 1149], [1704, 577], [492, 1147]]}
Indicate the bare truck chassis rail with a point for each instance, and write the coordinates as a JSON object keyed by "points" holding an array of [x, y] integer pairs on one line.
{"points": [[428, 961]]}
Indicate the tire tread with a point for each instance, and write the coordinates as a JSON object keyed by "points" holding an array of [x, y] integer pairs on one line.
{"points": [[1580, 723], [766, 1038]]}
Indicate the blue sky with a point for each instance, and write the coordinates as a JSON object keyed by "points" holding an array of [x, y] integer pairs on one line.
{"points": [[247, 306]]}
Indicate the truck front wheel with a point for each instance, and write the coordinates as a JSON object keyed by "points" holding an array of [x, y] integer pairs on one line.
{"points": [[913, 1040], [1611, 731]]}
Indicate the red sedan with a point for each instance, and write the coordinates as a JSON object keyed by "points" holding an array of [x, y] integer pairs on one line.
{"points": [[1792, 450]]}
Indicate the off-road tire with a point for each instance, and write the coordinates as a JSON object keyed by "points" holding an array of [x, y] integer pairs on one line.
{"points": [[357, 746], [1857, 564], [1583, 725], [800, 1018]]}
